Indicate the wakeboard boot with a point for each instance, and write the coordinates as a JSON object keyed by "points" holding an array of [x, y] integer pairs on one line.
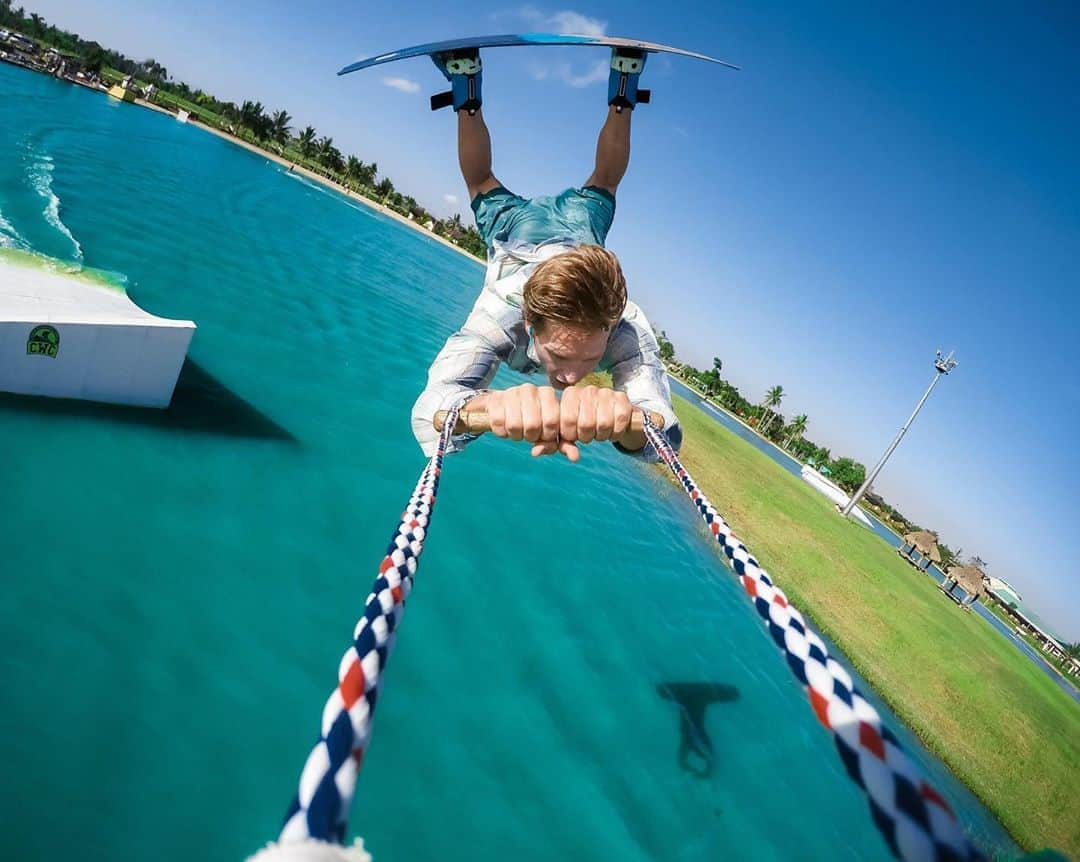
{"points": [[464, 71], [627, 64]]}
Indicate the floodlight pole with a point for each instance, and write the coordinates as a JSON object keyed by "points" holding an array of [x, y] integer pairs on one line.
{"points": [[942, 366]]}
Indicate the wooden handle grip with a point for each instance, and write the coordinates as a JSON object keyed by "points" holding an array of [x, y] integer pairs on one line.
{"points": [[476, 421]]}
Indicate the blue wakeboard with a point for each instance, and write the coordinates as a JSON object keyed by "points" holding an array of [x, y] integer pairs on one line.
{"points": [[519, 39]]}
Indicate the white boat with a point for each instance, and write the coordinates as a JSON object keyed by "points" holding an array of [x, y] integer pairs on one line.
{"points": [[69, 332], [182, 115], [834, 492]]}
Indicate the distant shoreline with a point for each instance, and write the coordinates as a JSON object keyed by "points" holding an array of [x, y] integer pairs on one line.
{"points": [[314, 177]]}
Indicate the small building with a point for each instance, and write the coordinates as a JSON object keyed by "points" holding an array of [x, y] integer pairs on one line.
{"points": [[923, 542], [1003, 591], [970, 579]]}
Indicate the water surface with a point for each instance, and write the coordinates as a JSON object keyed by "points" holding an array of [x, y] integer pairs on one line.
{"points": [[179, 586]]}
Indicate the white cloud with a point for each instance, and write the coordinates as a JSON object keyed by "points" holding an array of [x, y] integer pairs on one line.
{"points": [[598, 72], [403, 84], [451, 199], [576, 23], [566, 21], [573, 76]]}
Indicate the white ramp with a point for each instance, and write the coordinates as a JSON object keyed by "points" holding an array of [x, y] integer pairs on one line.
{"points": [[67, 332]]}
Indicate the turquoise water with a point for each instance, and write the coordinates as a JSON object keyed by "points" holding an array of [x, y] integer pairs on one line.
{"points": [[180, 585]]}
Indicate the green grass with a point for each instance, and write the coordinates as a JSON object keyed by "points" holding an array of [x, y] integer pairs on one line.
{"points": [[1000, 724]]}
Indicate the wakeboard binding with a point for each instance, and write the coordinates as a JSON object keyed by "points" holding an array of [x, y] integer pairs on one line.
{"points": [[464, 71], [627, 64]]}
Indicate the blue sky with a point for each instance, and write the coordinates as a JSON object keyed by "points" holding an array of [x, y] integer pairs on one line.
{"points": [[873, 185]]}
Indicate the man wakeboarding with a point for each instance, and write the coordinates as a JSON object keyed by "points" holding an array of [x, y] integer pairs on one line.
{"points": [[554, 299]]}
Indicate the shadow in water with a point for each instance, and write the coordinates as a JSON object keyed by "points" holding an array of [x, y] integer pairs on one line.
{"points": [[696, 753], [200, 403]]}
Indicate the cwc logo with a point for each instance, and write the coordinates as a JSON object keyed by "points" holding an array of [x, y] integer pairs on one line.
{"points": [[43, 341]]}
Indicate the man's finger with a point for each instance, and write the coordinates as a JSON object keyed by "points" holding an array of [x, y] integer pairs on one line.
{"points": [[512, 405], [547, 447], [531, 417], [549, 410], [586, 422], [623, 412], [605, 414], [568, 414], [570, 450], [496, 411]]}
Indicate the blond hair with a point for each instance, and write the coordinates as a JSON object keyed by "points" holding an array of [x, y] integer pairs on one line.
{"points": [[583, 288]]}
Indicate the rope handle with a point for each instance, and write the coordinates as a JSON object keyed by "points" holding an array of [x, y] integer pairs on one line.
{"points": [[476, 421]]}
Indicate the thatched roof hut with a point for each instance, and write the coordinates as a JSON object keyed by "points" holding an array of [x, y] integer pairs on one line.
{"points": [[970, 579], [925, 542]]}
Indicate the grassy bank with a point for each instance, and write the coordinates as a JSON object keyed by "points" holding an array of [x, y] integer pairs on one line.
{"points": [[1004, 728]]}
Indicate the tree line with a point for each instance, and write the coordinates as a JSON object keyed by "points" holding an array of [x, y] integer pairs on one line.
{"points": [[271, 130], [790, 435]]}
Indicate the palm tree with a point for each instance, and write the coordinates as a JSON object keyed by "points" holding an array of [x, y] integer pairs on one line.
{"points": [[797, 428], [154, 70], [353, 168], [279, 128], [772, 399], [384, 189], [328, 155], [306, 142], [253, 119], [367, 174], [335, 161]]}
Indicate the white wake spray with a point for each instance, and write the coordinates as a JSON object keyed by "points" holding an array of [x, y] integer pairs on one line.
{"points": [[9, 236], [40, 175]]}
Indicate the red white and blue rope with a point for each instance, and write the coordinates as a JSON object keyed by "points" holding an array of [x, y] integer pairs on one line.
{"points": [[916, 822], [321, 807]]}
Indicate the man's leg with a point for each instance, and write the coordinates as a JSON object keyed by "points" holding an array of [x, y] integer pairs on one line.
{"points": [[612, 151], [474, 153]]}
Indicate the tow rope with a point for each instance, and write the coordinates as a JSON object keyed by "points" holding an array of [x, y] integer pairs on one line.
{"points": [[917, 823]]}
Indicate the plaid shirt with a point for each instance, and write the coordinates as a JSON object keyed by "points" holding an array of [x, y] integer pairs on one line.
{"points": [[494, 332]]}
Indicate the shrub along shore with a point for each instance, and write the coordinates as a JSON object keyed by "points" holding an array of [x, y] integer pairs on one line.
{"points": [[995, 719]]}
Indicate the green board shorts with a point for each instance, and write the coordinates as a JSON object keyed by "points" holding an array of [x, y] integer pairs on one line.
{"points": [[584, 215]]}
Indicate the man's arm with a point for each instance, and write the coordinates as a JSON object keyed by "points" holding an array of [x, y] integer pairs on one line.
{"points": [[474, 154], [466, 363], [612, 151], [637, 370]]}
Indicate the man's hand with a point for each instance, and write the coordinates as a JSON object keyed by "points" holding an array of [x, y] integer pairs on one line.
{"points": [[590, 413], [535, 414]]}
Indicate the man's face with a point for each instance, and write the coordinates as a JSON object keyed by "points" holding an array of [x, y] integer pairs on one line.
{"points": [[567, 353]]}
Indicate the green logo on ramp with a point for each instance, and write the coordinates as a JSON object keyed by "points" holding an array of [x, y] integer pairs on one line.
{"points": [[43, 341]]}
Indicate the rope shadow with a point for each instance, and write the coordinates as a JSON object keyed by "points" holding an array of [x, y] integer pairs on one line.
{"points": [[696, 752], [201, 403]]}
